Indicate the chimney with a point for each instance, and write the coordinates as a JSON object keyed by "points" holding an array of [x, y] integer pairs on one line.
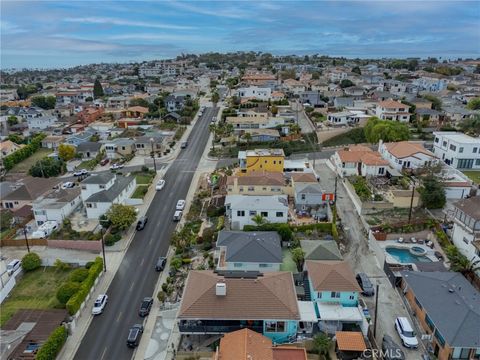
{"points": [[380, 142], [221, 289]]}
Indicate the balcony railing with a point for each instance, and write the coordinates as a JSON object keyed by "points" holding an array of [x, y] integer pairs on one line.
{"points": [[216, 327]]}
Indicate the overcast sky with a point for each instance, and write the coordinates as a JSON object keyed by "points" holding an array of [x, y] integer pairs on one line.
{"points": [[66, 33]]}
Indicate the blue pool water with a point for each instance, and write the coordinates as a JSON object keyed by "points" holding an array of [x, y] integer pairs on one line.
{"points": [[404, 256]]}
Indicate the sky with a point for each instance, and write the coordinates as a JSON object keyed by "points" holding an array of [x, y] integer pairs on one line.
{"points": [[49, 34]]}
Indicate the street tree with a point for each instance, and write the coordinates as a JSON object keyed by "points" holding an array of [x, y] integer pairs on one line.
{"points": [[97, 89], [47, 167], [388, 131], [66, 152], [432, 193], [215, 97], [298, 255], [121, 216]]}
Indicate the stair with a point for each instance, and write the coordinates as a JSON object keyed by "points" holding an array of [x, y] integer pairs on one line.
{"points": [[306, 287]]}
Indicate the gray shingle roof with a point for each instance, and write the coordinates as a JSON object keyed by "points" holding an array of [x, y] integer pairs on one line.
{"points": [[111, 194], [308, 188], [101, 178], [456, 314], [89, 146], [320, 250], [255, 247]]}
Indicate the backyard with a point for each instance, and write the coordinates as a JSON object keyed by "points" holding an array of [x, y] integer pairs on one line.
{"points": [[35, 290], [288, 264], [473, 175], [25, 165]]}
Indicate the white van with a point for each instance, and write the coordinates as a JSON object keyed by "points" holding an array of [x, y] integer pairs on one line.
{"points": [[13, 266], [45, 229]]}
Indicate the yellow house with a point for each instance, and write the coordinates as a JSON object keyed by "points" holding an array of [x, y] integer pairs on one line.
{"points": [[261, 160]]}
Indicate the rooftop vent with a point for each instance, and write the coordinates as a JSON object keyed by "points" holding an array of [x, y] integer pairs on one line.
{"points": [[221, 289], [451, 290]]}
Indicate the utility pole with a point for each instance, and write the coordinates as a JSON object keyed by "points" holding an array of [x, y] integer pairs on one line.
{"points": [[153, 156], [376, 312], [411, 204], [335, 197], [26, 240], [103, 248]]}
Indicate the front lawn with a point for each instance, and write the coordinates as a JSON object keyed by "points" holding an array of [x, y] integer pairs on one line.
{"points": [[88, 164], [25, 165], [35, 290], [140, 192], [144, 178], [473, 175]]}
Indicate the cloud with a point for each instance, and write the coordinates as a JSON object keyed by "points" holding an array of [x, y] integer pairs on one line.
{"points": [[233, 12], [162, 37], [10, 28], [125, 22]]}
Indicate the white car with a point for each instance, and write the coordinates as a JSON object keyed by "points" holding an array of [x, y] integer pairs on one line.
{"points": [[178, 215], [116, 166], [68, 185], [99, 304], [180, 205], [80, 172], [160, 185], [406, 332]]}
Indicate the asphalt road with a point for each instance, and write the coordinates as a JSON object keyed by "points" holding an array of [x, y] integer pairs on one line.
{"points": [[136, 277]]}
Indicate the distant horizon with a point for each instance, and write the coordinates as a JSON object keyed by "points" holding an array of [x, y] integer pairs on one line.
{"points": [[63, 34]]}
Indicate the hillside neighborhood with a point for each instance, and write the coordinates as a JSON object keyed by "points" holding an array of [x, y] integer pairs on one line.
{"points": [[241, 206]]}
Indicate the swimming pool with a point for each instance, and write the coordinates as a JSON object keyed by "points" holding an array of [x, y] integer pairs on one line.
{"points": [[404, 256]]}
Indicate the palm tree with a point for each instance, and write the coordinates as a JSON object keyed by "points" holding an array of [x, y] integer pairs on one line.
{"points": [[460, 263], [298, 255], [259, 220], [248, 137], [213, 129], [295, 128]]}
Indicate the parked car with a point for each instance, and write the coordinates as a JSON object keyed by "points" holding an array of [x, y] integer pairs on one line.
{"points": [[391, 349], [406, 332], [160, 185], [141, 223], [134, 335], [13, 266], [116, 166], [180, 205], [184, 144], [99, 304], [80, 172], [161, 262], [104, 161], [178, 215], [145, 306], [68, 185], [366, 285]]}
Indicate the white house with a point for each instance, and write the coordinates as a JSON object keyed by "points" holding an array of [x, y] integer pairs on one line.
{"points": [[41, 123], [240, 123], [392, 110], [56, 205], [100, 192], [240, 209], [359, 160], [430, 84], [255, 92], [406, 155], [457, 150], [466, 227], [346, 117]]}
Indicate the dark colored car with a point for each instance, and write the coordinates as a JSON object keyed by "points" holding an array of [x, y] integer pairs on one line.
{"points": [[391, 350], [104, 162], [161, 262], [145, 306], [141, 223], [365, 284], [134, 335]]}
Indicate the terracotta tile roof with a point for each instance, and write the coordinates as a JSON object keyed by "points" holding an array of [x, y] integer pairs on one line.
{"points": [[270, 296], [373, 158], [392, 104], [361, 154], [350, 341], [403, 149], [289, 353], [259, 77], [265, 178], [304, 177], [139, 109], [245, 344], [331, 275], [359, 148]]}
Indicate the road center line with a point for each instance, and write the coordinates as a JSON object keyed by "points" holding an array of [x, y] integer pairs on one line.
{"points": [[118, 317], [103, 354]]}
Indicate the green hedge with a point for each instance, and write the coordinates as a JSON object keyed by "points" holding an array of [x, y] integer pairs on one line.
{"points": [[11, 160], [74, 303], [283, 230], [321, 227], [50, 349]]}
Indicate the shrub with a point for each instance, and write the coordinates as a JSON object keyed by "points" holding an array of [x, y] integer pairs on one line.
{"points": [[60, 265], [283, 230], [164, 287], [187, 261], [78, 275], [176, 263], [31, 261], [161, 296], [89, 264], [50, 349], [66, 291]]}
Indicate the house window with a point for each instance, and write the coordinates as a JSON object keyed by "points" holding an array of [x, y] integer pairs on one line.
{"points": [[275, 326], [101, 186], [453, 147], [475, 150], [263, 265], [251, 188], [237, 265], [15, 202], [444, 144], [264, 189], [351, 297], [437, 140], [477, 162], [89, 205], [240, 213], [274, 161], [465, 240], [303, 196], [264, 213], [252, 213], [460, 150], [439, 338], [241, 189], [335, 294], [381, 171], [279, 214]]}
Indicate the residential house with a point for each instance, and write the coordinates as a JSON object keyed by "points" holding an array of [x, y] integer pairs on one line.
{"points": [[392, 110], [447, 307], [321, 250], [359, 160], [355, 91], [174, 103], [118, 102], [241, 123], [249, 250], [76, 96], [246, 344], [8, 147], [261, 135], [144, 145], [351, 345], [346, 118], [135, 112], [340, 102], [294, 86], [458, 113], [260, 80], [41, 123], [27, 190], [406, 155], [90, 115], [89, 149], [335, 291], [313, 98], [266, 183], [434, 117], [240, 209], [458, 150], [395, 87], [421, 103], [308, 196], [466, 227], [119, 147], [222, 302], [53, 141], [430, 83], [173, 116], [261, 160], [56, 205], [254, 92], [101, 191], [80, 137]]}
